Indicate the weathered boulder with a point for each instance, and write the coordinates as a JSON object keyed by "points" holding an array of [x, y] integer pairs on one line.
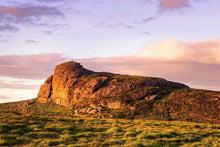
{"points": [[151, 97], [93, 111], [72, 84], [117, 104]]}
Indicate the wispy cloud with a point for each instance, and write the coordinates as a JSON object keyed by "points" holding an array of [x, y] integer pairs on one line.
{"points": [[16, 89], [3, 84], [49, 1], [29, 66], [12, 16], [148, 19], [2, 97], [113, 26], [12, 95], [8, 27], [144, 21], [31, 41], [25, 13], [48, 32], [147, 33]]}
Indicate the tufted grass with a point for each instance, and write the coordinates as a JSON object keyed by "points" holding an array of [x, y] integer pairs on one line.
{"points": [[84, 131]]}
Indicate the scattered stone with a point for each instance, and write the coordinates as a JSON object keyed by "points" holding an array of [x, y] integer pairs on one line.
{"points": [[115, 104], [151, 97], [89, 109], [93, 111], [84, 110], [132, 108], [111, 116]]}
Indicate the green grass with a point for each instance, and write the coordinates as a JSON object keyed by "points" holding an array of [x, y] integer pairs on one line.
{"points": [[83, 131]]}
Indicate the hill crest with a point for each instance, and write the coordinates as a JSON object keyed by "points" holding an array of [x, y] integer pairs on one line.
{"points": [[71, 84], [82, 92]]}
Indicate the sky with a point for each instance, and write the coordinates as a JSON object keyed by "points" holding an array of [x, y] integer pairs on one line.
{"points": [[178, 40]]}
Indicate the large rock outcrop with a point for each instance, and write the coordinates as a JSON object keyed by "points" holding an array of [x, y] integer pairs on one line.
{"points": [[72, 84]]}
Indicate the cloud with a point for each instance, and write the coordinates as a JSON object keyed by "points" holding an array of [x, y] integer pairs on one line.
{"points": [[147, 33], [148, 19], [49, 1], [2, 97], [113, 26], [8, 27], [194, 74], [194, 63], [144, 21], [22, 75], [13, 85], [31, 41], [29, 12], [48, 32], [12, 95], [173, 4], [4, 40], [206, 51], [12, 89], [29, 66], [11, 16]]}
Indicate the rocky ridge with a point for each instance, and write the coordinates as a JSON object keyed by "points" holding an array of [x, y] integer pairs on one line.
{"points": [[73, 85]]}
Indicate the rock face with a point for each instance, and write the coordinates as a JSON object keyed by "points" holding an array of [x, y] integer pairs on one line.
{"points": [[45, 90], [65, 76], [72, 84]]}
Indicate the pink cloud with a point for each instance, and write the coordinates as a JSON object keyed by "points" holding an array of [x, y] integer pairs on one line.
{"points": [[22, 75], [4, 97], [192, 73], [10, 16], [194, 63], [29, 66], [206, 51], [173, 4], [14, 11], [29, 11], [14, 85]]}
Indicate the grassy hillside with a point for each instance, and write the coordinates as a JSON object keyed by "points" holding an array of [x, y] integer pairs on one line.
{"points": [[187, 105], [29, 123], [18, 130], [32, 107], [174, 104], [194, 105]]}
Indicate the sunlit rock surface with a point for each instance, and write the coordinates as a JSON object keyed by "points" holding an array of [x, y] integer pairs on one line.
{"points": [[71, 84]]}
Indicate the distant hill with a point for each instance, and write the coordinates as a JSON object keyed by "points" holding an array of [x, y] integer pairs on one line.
{"points": [[74, 90]]}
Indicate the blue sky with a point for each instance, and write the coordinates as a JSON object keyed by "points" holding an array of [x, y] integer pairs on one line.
{"points": [[37, 35]]}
